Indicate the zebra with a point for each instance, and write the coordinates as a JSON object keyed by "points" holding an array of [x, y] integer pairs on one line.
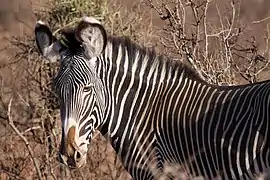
{"points": [[155, 111]]}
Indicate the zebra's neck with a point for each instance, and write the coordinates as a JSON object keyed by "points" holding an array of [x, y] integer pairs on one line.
{"points": [[127, 72], [148, 96]]}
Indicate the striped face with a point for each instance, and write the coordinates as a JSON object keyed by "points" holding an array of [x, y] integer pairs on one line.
{"points": [[78, 103], [76, 84]]}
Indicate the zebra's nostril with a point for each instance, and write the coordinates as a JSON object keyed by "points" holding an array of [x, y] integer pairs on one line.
{"points": [[77, 155]]}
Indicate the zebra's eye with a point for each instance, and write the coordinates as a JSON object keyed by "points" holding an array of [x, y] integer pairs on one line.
{"points": [[87, 88]]}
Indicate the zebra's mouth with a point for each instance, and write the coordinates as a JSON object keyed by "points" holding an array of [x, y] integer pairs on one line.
{"points": [[71, 162]]}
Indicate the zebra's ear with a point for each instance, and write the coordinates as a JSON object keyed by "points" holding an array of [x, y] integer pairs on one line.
{"points": [[92, 35], [47, 44]]}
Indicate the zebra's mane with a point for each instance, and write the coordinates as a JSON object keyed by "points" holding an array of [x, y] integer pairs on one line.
{"points": [[133, 48], [68, 39]]}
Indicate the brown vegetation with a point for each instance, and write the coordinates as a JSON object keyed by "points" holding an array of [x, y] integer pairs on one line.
{"points": [[29, 109], [212, 38]]}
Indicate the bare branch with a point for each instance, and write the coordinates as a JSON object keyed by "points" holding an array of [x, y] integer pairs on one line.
{"points": [[30, 150], [261, 20], [205, 28]]}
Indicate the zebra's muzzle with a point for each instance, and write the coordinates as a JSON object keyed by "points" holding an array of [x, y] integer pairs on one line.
{"points": [[76, 161], [70, 154]]}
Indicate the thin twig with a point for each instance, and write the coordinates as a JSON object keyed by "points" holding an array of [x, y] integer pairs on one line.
{"points": [[233, 20], [23, 100], [30, 150], [205, 28], [262, 20], [31, 128]]}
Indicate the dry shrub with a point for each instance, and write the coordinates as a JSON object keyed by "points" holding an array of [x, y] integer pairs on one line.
{"points": [[212, 38], [30, 125]]}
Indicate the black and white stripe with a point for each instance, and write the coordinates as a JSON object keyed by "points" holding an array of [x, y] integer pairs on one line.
{"points": [[158, 111]]}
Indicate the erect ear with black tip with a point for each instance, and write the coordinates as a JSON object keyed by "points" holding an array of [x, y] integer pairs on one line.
{"points": [[92, 35], [46, 42]]}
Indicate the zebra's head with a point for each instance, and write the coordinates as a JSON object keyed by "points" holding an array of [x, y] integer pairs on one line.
{"points": [[76, 84]]}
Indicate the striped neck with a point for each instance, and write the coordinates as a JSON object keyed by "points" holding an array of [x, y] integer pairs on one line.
{"points": [[127, 70]]}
